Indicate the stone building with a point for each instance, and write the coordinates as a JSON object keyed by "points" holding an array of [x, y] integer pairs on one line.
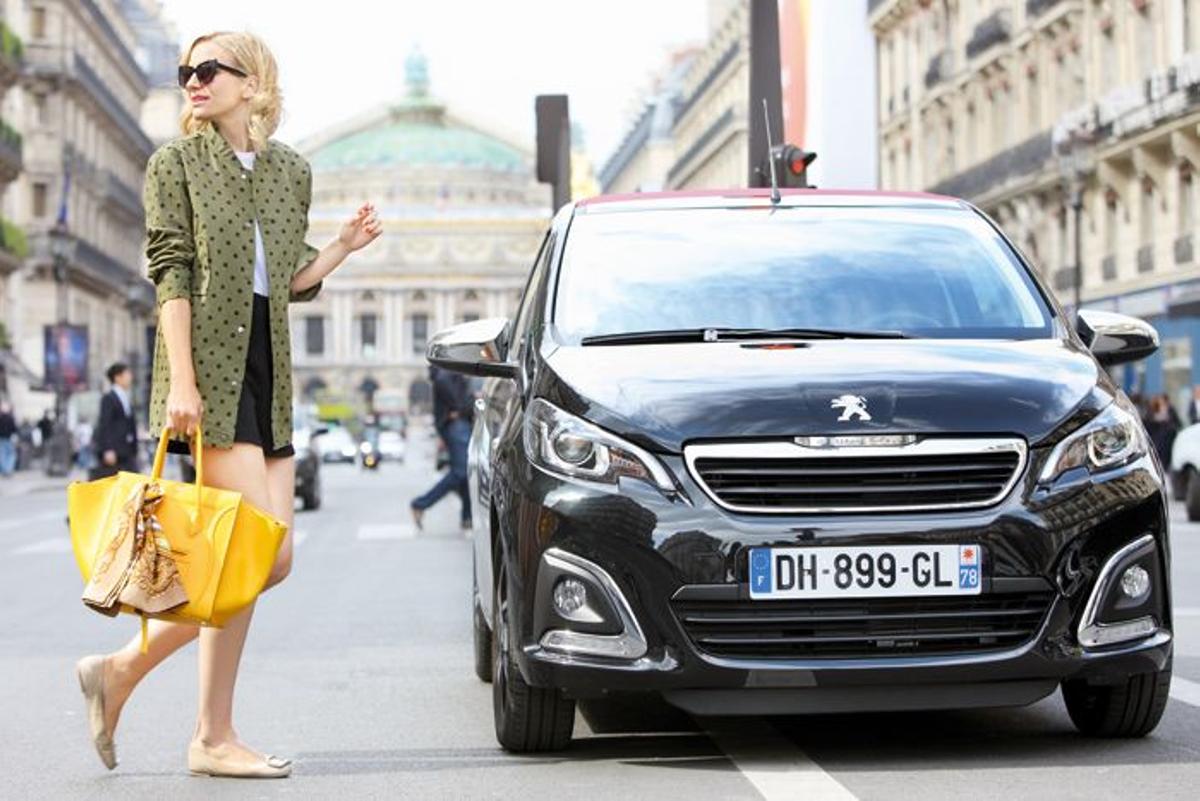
{"points": [[463, 218], [79, 104], [13, 244], [1036, 109]]}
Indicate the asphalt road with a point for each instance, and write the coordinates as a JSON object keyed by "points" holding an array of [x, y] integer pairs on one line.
{"points": [[359, 667]]}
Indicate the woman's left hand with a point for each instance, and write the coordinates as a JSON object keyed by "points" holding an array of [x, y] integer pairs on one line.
{"points": [[362, 229]]}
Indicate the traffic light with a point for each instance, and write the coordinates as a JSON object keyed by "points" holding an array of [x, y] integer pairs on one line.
{"points": [[791, 165]]}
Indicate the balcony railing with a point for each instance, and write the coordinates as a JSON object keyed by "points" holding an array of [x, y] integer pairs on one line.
{"points": [[1035, 8], [1145, 259], [994, 29], [1108, 268], [1183, 249], [1024, 159], [122, 195]]}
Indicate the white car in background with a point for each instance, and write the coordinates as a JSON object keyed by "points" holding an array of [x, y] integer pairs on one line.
{"points": [[1185, 470], [392, 446], [339, 446]]}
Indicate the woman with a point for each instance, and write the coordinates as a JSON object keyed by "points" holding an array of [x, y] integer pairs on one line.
{"points": [[226, 215]]}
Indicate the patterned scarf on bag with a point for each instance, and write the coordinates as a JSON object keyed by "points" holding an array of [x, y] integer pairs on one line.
{"points": [[136, 568]]}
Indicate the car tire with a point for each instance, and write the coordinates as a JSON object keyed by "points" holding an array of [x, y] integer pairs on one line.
{"points": [[1131, 709], [527, 718], [1191, 495], [312, 499]]}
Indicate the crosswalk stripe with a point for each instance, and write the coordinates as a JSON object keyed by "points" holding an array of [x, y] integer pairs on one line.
{"points": [[386, 532], [1185, 690], [775, 766]]}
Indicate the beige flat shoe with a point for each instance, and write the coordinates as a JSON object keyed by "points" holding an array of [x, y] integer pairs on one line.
{"points": [[90, 671], [202, 763]]}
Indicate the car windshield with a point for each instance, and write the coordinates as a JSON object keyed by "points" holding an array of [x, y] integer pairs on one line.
{"points": [[923, 272]]}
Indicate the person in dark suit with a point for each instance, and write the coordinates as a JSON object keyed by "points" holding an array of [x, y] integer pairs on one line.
{"points": [[453, 409], [115, 436]]}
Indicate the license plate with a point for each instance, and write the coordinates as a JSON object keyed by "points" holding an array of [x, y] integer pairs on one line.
{"points": [[865, 572]]}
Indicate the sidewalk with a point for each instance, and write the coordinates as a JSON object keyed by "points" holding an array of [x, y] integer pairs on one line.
{"points": [[24, 482]]}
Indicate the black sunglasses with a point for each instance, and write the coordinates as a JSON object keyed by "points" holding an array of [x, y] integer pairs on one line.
{"points": [[205, 71]]}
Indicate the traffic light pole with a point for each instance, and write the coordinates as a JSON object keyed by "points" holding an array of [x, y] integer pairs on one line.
{"points": [[764, 86]]}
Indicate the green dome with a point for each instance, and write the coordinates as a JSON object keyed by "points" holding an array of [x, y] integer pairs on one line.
{"points": [[418, 144]]}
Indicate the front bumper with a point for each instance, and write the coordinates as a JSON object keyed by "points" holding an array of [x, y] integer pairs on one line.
{"points": [[657, 549]]}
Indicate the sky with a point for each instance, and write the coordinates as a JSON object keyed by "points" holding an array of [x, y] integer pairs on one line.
{"points": [[488, 58]]}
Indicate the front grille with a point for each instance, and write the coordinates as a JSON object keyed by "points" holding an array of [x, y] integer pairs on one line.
{"points": [[784, 477], [864, 627]]}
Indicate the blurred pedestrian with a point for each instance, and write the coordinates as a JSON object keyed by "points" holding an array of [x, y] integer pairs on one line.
{"points": [[1194, 405], [45, 428], [115, 436], [8, 441], [1162, 424], [453, 410], [224, 363]]}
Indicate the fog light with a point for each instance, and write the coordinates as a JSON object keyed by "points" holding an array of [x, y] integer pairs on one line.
{"points": [[1135, 583], [570, 595]]}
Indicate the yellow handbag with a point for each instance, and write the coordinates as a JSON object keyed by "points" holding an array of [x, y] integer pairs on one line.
{"points": [[222, 546]]}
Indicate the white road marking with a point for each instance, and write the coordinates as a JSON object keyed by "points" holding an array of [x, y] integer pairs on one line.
{"points": [[25, 521], [56, 545], [386, 532], [775, 766], [1185, 690]]}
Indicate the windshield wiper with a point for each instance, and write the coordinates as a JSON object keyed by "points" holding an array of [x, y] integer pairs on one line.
{"points": [[727, 334]]}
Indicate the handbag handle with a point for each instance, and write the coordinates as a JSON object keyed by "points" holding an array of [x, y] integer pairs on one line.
{"points": [[160, 458]]}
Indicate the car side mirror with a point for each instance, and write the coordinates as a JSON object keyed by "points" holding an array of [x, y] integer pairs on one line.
{"points": [[474, 348], [1116, 338]]}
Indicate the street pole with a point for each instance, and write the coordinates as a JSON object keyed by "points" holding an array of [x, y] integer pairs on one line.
{"points": [[1077, 208], [58, 449]]}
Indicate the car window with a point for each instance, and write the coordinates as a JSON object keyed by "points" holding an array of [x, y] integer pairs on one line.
{"points": [[520, 329], [927, 272]]}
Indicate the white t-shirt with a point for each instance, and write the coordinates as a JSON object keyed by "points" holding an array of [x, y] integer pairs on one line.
{"points": [[261, 284]]}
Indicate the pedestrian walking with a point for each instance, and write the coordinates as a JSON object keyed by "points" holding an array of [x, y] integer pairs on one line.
{"points": [[8, 441], [115, 435], [1162, 424], [45, 427], [453, 410], [226, 215]]}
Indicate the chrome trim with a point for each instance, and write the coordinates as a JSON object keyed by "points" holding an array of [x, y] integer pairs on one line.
{"points": [[629, 644], [791, 450], [1090, 632]]}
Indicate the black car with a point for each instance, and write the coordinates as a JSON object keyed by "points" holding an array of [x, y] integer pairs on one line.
{"points": [[839, 452], [308, 465]]}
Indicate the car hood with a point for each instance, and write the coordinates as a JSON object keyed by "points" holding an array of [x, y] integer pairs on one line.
{"points": [[666, 395]]}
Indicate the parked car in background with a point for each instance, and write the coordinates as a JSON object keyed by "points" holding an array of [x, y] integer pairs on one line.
{"points": [[306, 442], [339, 445], [392, 446], [1185, 470]]}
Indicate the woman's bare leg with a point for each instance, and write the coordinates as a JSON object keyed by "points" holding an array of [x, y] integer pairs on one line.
{"points": [[243, 469]]}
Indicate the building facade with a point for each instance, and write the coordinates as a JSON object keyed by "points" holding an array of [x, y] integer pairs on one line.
{"points": [[13, 244], [463, 218], [692, 131], [79, 197], [1061, 117]]}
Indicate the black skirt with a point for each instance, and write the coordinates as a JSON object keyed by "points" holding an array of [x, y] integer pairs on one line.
{"points": [[254, 404]]}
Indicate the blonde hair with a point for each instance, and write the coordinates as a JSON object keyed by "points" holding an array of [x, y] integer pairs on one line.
{"points": [[251, 55]]}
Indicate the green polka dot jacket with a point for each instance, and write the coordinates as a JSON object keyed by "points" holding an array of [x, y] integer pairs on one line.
{"points": [[201, 206]]}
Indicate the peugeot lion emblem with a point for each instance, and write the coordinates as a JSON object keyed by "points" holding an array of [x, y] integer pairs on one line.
{"points": [[851, 405]]}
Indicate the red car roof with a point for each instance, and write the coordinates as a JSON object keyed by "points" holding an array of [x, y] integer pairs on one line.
{"points": [[757, 192]]}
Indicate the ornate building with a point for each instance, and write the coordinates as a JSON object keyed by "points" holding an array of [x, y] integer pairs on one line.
{"points": [[463, 218], [1058, 118], [13, 245], [78, 105]]}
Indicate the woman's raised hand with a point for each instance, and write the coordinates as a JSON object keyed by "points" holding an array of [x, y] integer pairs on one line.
{"points": [[362, 229]]}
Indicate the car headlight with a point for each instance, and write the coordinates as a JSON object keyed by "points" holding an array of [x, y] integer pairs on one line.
{"points": [[570, 446], [1113, 438]]}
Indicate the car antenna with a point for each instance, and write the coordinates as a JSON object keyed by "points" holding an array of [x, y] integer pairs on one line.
{"points": [[775, 196]]}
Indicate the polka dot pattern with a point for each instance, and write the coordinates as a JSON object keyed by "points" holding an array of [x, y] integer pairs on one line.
{"points": [[201, 205]]}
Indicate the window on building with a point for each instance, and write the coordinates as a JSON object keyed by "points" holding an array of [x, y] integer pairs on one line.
{"points": [[470, 317], [1146, 214], [40, 195], [949, 152], [37, 22], [1187, 199], [1144, 23], [420, 333], [314, 336], [1063, 252], [1033, 102], [1111, 220], [1187, 22], [368, 333], [41, 110], [1109, 60]]}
